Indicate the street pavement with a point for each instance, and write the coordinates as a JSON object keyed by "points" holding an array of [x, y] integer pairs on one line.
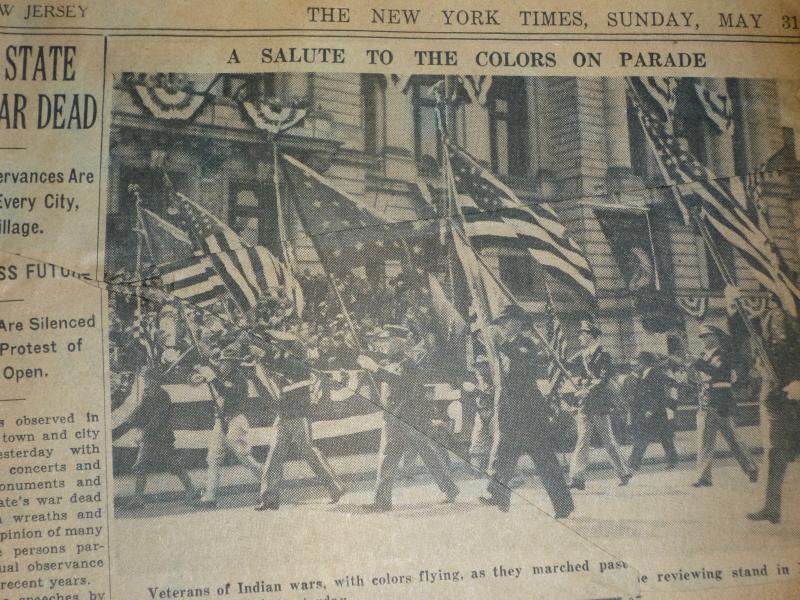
{"points": [[653, 489]]}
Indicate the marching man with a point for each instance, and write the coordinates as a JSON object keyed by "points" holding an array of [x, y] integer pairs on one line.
{"points": [[592, 367], [779, 395], [398, 377], [293, 425], [716, 406], [228, 388]]}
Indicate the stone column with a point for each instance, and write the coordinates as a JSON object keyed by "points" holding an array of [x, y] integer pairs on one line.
{"points": [[476, 131], [293, 85], [399, 148], [542, 121], [618, 146], [761, 133], [535, 123], [719, 145]]}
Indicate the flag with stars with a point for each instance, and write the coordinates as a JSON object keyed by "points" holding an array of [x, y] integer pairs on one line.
{"points": [[207, 233], [345, 231], [495, 217], [699, 191], [221, 262]]}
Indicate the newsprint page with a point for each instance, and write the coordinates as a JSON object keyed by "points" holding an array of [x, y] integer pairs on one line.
{"points": [[431, 300]]}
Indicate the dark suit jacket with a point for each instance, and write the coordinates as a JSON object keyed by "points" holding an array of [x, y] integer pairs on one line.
{"points": [[152, 416], [652, 396], [406, 390], [522, 410]]}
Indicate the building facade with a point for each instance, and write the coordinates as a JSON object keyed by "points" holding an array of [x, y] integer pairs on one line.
{"points": [[573, 142]]}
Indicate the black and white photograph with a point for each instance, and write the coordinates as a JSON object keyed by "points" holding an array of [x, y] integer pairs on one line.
{"points": [[433, 297]]}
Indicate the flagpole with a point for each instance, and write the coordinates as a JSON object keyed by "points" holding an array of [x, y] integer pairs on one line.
{"points": [[457, 231], [276, 182], [141, 239], [553, 353], [713, 250], [726, 275]]}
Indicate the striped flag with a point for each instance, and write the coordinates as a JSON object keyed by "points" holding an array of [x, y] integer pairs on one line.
{"points": [[207, 233], [249, 273], [658, 93], [495, 217], [222, 262], [698, 189], [557, 340], [194, 280]]}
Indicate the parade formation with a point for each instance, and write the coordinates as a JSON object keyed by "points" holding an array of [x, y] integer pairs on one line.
{"points": [[401, 314]]}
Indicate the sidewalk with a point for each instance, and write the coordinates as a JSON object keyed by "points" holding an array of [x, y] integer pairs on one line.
{"points": [[361, 467]]}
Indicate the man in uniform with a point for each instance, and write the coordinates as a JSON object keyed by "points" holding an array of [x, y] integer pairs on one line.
{"points": [[398, 377], [292, 377], [592, 367], [716, 406], [228, 389], [482, 390], [523, 418], [779, 392]]}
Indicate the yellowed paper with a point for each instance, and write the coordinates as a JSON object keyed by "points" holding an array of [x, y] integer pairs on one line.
{"points": [[399, 301]]}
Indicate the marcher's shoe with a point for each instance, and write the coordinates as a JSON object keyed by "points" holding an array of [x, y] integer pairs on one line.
{"points": [[765, 515], [267, 506], [337, 495], [577, 484], [702, 483], [375, 507], [671, 465], [501, 504], [624, 480], [563, 514], [206, 503], [753, 475], [193, 495]]}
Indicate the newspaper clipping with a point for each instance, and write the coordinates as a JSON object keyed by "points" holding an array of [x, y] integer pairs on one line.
{"points": [[359, 301]]}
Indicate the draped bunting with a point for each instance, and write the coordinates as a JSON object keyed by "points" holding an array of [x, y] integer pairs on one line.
{"points": [[716, 107], [271, 117], [169, 105], [473, 88], [755, 306], [694, 306]]}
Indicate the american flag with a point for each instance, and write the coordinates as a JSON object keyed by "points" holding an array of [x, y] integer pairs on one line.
{"points": [[495, 217], [142, 330], [658, 93], [698, 189], [557, 340], [346, 232], [222, 263]]}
